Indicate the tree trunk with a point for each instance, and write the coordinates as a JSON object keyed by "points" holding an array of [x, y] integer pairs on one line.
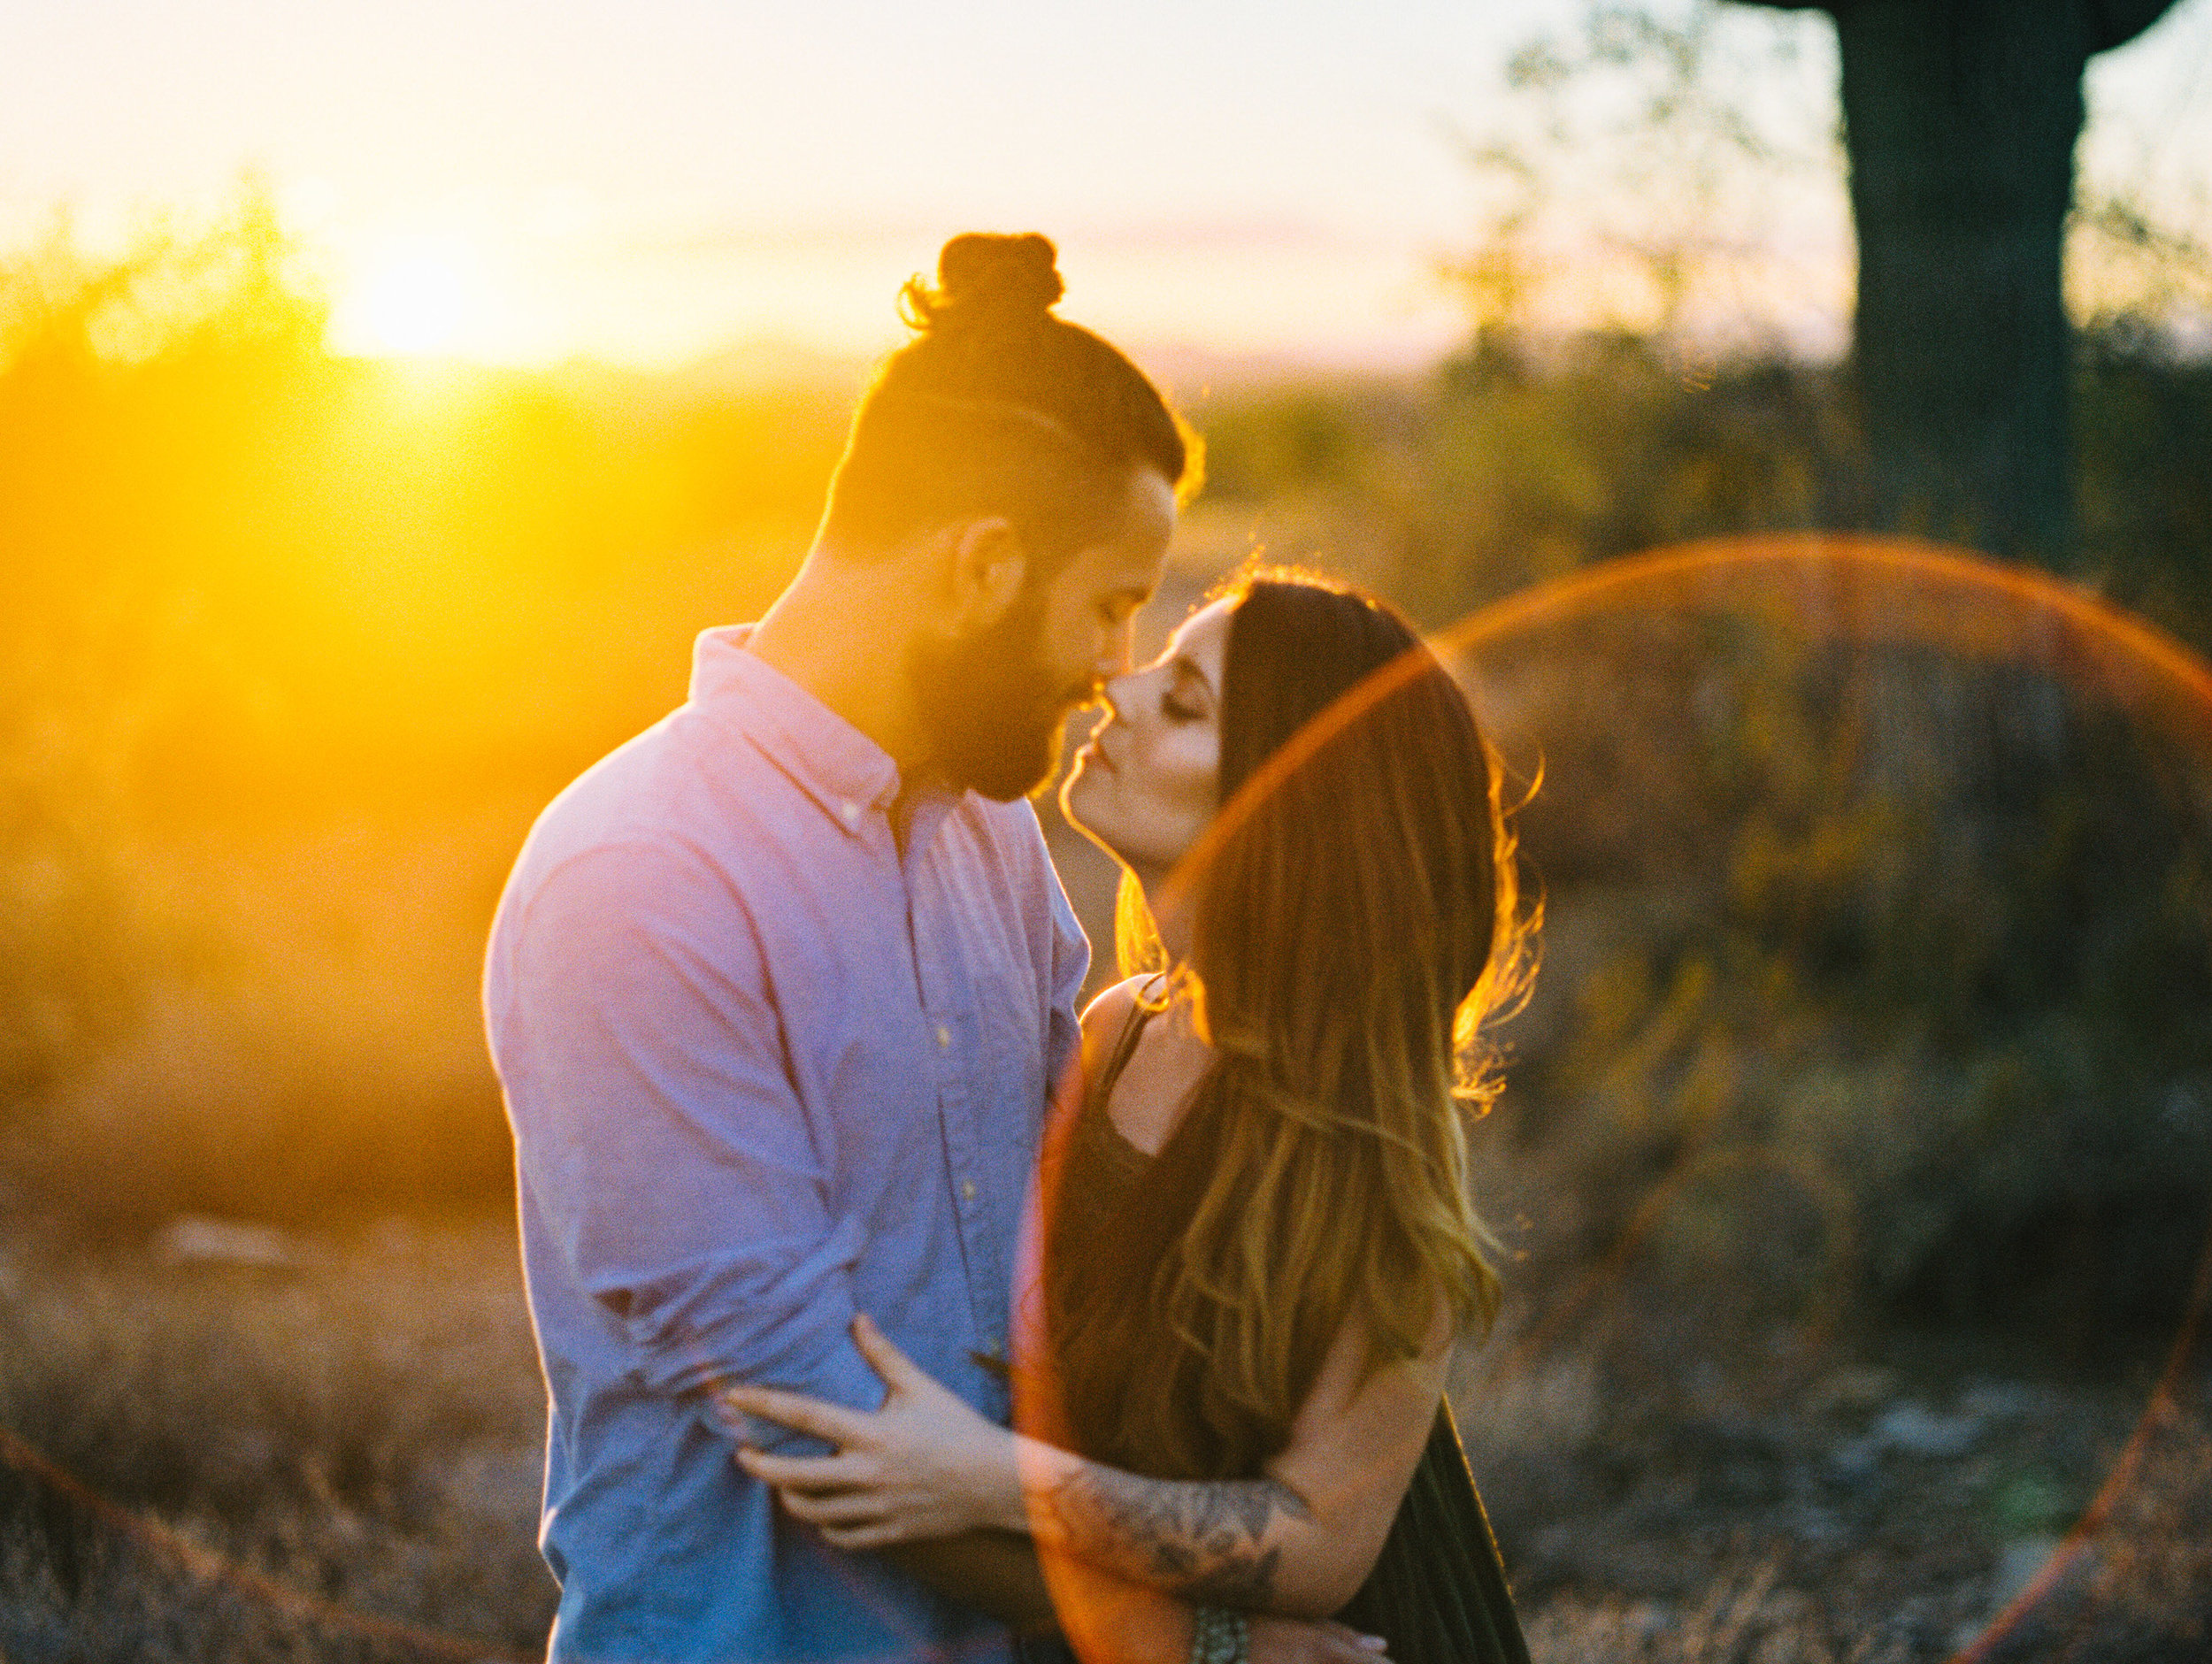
{"points": [[1960, 117], [1960, 120]]}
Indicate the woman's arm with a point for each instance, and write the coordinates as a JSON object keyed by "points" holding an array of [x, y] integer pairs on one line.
{"points": [[1111, 1621], [1299, 1540]]}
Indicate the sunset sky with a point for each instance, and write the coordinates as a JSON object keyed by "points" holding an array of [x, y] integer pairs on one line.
{"points": [[660, 180]]}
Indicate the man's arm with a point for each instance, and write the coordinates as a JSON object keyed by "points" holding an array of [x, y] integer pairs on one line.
{"points": [[660, 1139], [663, 1146]]}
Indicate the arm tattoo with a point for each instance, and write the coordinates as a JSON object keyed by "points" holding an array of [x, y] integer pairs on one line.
{"points": [[1202, 1539]]}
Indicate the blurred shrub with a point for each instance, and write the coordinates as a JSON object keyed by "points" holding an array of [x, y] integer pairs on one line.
{"points": [[1871, 973], [105, 647], [1544, 462], [1300, 439], [1880, 977], [2142, 431], [1520, 461], [292, 648], [355, 1441]]}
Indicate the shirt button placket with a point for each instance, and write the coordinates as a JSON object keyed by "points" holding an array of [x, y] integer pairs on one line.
{"points": [[966, 1186]]}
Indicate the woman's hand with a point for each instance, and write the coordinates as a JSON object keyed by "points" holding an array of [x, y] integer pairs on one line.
{"points": [[1296, 1641], [924, 1465]]}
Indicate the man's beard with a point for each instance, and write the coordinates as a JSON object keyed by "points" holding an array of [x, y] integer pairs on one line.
{"points": [[993, 712]]}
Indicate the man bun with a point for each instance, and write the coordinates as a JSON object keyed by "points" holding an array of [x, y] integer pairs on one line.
{"points": [[999, 405], [988, 275]]}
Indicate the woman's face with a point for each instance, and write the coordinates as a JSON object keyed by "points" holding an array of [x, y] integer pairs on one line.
{"points": [[1150, 778]]}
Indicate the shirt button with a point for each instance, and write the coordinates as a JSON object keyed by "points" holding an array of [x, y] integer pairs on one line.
{"points": [[944, 1037], [850, 812], [967, 1190]]}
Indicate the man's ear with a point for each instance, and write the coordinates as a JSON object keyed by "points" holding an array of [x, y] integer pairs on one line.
{"points": [[987, 567]]}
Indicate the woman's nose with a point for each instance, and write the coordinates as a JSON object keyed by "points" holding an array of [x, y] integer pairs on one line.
{"points": [[1115, 691]]}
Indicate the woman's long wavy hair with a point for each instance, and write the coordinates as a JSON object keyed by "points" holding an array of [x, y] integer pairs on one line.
{"points": [[1353, 921]]}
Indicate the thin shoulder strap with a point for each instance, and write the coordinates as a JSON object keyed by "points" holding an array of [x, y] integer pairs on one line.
{"points": [[1125, 1047]]}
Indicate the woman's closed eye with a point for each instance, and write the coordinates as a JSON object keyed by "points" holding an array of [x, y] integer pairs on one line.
{"points": [[1176, 710]]}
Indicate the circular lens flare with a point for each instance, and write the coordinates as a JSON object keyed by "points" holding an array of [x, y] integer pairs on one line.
{"points": [[1950, 617]]}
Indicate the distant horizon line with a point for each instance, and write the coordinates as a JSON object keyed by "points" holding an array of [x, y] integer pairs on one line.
{"points": [[774, 357]]}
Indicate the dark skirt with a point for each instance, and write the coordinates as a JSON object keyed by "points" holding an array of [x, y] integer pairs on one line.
{"points": [[1438, 1592]]}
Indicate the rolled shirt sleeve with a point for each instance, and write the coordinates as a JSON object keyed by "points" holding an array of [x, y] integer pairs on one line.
{"points": [[677, 1168]]}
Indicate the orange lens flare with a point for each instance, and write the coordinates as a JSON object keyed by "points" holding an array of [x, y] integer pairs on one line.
{"points": [[1832, 589]]}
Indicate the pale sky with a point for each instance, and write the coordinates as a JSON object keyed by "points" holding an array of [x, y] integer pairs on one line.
{"points": [[657, 180]]}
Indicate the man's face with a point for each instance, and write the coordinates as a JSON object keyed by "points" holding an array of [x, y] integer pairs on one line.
{"points": [[996, 702]]}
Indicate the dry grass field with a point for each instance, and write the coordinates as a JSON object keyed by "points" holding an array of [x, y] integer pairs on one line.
{"points": [[333, 1453]]}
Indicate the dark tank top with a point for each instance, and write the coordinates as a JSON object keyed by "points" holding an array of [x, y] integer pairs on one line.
{"points": [[1438, 1592]]}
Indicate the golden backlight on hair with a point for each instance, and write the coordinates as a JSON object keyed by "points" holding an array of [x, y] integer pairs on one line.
{"points": [[1352, 919]]}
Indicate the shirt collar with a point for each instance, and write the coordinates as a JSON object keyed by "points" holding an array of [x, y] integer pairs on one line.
{"points": [[848, 774]]}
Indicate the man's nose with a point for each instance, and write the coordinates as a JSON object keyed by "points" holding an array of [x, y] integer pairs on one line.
{"points": [[1113, 694], [1115, 654]]}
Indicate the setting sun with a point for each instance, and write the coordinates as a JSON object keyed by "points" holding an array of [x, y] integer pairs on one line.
{"points": [[416, 296]]}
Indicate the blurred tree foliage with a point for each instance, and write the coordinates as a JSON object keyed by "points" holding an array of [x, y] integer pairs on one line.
{"points": [[1869, 971], [1524, 458], [113, 664], [1860, 927], [1653, 169], [294, 644]]}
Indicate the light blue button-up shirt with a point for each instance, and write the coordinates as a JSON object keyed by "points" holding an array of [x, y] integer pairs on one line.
{"points": [[764, 1071]]}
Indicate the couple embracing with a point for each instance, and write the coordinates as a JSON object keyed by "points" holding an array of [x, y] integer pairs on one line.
{"points": [[781, 993]]}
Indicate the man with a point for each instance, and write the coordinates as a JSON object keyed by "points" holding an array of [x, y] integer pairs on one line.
{"points": [[780, 989]]}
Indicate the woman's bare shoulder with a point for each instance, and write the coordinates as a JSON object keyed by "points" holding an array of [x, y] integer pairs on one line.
{"points": [[1103, 1018]]}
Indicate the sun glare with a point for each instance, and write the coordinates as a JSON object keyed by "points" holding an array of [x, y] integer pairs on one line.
{"points": [[418, 297]]}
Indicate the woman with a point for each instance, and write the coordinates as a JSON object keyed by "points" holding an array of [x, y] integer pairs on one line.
{"points": [[1257, 1246]]}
